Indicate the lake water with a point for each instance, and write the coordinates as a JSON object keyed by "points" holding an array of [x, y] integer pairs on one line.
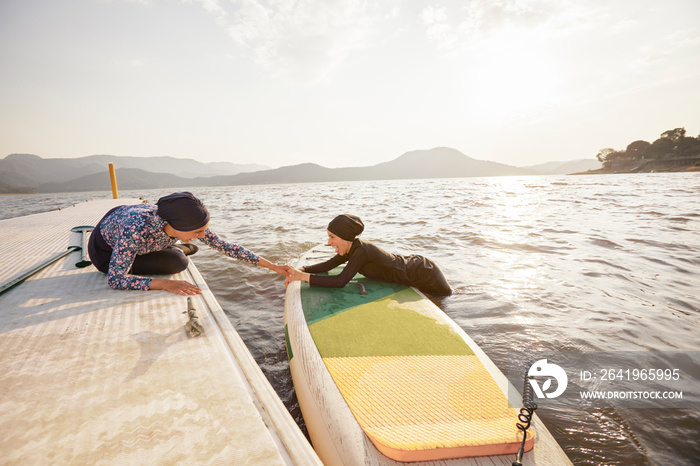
{"points": [[598, 263]]}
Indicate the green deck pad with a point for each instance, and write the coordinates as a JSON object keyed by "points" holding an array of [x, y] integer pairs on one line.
{"points": [[320, 303], [388, 326]]}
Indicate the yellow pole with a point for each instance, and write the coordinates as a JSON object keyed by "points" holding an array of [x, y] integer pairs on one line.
{"points": [[113, 177]]}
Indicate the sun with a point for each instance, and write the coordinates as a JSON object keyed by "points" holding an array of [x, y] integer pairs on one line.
{"points": [[506, 82]]}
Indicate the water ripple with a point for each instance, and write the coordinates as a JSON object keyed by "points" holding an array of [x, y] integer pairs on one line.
{"points": [[584, 263]]}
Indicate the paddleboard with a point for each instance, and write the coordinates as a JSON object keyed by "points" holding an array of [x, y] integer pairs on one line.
{"points": [[382, 375]]}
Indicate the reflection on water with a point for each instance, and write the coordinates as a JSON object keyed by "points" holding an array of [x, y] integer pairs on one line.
{"points": [[560, 263], [26, 204]]}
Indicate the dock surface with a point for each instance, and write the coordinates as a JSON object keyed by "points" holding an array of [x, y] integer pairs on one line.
{"points": [[92, 375]]}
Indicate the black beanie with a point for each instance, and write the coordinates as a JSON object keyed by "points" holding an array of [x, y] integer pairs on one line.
{"points": [[183, 211], [346, 226]]}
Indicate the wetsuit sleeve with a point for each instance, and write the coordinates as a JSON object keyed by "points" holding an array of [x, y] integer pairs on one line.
{"points": [[123, 256], [357, 260], [232, 250], [330, 264]]}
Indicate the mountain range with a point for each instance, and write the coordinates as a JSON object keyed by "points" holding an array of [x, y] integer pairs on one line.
{"points": [[31, 173]]}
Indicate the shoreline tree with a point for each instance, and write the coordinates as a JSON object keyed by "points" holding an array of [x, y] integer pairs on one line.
{"points": [[672, 146]]}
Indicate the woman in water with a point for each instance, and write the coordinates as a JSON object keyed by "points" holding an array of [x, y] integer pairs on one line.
{"points": [[141, 239], [371, 261]]}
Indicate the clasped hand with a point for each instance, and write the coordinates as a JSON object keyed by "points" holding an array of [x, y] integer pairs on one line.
{"points": [[183, 287], [283, 269], [294, 275]]}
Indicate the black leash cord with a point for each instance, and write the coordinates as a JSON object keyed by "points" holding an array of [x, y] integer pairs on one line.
{"points": [[525, 418]]}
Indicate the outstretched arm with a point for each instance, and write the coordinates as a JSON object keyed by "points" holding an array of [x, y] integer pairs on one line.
{"points": [[331, 281], [241, 253], [281, 269], [304, 273], [298, 274], [185, 288]]}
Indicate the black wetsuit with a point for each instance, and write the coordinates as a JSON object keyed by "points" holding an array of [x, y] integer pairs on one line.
{"points": [[377, 264]]}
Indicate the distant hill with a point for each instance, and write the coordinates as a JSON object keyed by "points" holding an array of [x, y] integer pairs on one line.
{"points": [[443, 162], [10, 189], [565, 168], [186, 168], [127, 178], [27, 170], [90, 173], [434, 163], [32, 171]]}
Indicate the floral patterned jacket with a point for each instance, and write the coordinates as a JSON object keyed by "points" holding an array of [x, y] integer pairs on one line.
{"points": [[137, 229]]}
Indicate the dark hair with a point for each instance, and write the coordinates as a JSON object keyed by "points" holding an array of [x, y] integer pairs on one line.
{"points": [[183, 211], [346, 226]]}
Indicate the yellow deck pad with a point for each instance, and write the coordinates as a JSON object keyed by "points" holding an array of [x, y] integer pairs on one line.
{"points": [[420, 408], [412, 382]]}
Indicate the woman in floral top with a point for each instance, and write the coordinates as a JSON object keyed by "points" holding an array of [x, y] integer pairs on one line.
{"points": [[141, 239]]}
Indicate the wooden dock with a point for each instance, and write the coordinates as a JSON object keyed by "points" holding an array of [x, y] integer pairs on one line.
{"points": [[92, 375]]}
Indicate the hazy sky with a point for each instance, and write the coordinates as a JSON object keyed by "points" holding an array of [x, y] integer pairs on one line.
{"points": [[345, 82]]}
